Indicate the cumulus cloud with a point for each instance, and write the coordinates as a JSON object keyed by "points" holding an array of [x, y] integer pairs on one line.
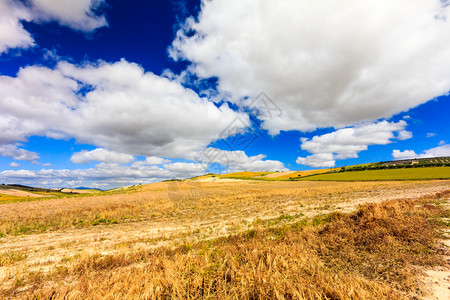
{"points": [[397, 154], [154, 160], [112, 174], [12, 33], [318, 160], [443, 150], [347, 142], [404, 135], [116, 106], [34, 102], [104, 175], [150, 161], [79, 15], [325, 63], [234, 161], [14, 165], [12, 150], [186, 168], [100, 154]]}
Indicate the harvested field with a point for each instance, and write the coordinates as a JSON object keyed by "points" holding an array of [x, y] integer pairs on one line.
{"points": [[227, 240], [19, 193]]}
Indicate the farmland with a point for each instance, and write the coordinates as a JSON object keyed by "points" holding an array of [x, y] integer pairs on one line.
{"points": [[367, 172], [387, 174], [237, 239], [20, 193]]}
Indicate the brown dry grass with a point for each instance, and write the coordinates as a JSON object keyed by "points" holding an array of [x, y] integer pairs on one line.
{"points": [[251, 240], [242, 174], [369, 254], [164, 202]]}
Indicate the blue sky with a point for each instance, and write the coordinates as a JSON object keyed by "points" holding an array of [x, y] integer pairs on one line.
{"points": [[112, 93]]}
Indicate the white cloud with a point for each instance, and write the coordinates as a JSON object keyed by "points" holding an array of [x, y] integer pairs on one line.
{"points": [[152, 160], [318, 160], [79, 14], [404, 135], [122, 109], [324, 63], [443, 150], [109, 174], [11, 150], [37, 101], [347, 142], [186, 169], [12, 33], [46, 164], [104, 175], [430, 134], [14, 165], [100, 154], [397, 154], [234, 161]]}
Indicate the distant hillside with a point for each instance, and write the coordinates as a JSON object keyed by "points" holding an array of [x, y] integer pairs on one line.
{"points": [[86, 188], [16, 192], [388, 173], [22, 188], [431, 160], [439, 171], [405, 163]]}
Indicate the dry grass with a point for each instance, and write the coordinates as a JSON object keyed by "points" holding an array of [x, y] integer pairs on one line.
{"points": [[249, 240], [370, 254], [10, 258], [246, 174], [178, 201]]}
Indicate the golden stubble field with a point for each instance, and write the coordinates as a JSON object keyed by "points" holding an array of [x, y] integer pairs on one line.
{"points": [[173, 239]]}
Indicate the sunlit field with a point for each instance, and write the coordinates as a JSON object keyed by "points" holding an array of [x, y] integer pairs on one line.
{"points": [[393, 174], [240, 239]]}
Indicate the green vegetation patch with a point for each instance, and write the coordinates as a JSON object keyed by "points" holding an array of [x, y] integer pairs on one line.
{"points": [[11, 257], [388, 174]]}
